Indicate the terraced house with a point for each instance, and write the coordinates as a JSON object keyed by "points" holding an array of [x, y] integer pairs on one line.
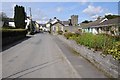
{"points": [[55, 25], [102, 25]]}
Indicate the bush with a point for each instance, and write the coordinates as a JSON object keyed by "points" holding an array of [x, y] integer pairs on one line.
{"points": [[32, 33], [116, 38], [68, 34], [60, 32], [11, 35], [98, 42], [107, 44], [13, 32], [66, 30], [115, 51], [8, 27]]}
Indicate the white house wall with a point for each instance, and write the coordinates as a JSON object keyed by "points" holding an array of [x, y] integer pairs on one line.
{"points": [[12, 24], [62, 28], [53, 28], [94, 31], [47, 25], [90, 30], [37, 27], [100, 30], [28, 23]]}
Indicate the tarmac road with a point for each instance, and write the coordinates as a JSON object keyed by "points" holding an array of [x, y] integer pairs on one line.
{"points": [[45, 56]]}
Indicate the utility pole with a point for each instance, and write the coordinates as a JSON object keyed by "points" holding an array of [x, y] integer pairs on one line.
{"points": [[30, 20], [30, 13]]}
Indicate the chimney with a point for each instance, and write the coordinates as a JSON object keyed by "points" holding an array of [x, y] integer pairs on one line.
{"points": [[99, 17], [55, 18]]}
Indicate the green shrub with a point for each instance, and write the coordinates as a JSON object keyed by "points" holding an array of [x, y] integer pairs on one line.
{"points": [[98, 42], [8, 27], [86, 39], [66, 30], [107, 44], [68, 34], [60, 32], [11, 35], [115, 51], [13, 32]]}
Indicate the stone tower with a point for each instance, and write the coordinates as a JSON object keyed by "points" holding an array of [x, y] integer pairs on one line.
{"points": [[74, 20]]}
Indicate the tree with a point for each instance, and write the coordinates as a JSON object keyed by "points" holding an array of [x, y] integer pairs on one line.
{"points": [[86, 21], [70, 23], [3, 16], [50, 28], [119, 30], [19, 17], [111, 16]]}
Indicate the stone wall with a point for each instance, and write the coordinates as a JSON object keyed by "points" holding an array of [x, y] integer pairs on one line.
{"points": [[104, 63], [71, 28]]}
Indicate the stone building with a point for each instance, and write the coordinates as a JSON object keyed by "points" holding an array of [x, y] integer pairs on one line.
{"points": [[55, 25], [74, 20]]}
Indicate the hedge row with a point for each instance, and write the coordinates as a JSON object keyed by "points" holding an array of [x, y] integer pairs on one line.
{"points": [[13, 32], [12, 35]]}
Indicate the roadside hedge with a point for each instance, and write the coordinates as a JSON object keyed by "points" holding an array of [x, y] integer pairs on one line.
{"points": [[11, 35], [13, 32]]}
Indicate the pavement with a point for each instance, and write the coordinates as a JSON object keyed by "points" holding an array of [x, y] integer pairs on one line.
{"points": [[45, 56]]}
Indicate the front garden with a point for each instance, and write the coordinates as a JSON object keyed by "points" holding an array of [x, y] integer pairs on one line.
{"points": [[109, 45]]}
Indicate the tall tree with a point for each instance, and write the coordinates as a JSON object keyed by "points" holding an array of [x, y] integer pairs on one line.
{"points": [[19, 16], [86, 21], [111, 16], [3, 16]]}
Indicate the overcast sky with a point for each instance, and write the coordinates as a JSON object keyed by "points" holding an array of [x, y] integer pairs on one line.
{"points": [[43, 11]]}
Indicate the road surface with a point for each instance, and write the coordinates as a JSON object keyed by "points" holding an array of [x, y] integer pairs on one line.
{"points": [[45, 56]]}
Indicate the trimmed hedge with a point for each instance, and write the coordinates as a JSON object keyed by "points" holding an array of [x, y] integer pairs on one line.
{"points": [[11, 35], [13, 32]]}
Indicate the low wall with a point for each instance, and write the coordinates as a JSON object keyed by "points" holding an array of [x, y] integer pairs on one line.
{"points": [[71, 28], [104, 63]]}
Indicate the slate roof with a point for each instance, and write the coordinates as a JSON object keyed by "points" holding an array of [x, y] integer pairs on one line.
{"points": [[58, 22], [55, 21], [43, 25], [101, 23], [65, 22], [91, 24], [115, 21]]}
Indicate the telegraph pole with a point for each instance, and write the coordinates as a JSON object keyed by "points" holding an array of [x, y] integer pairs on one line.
{"points": [[30, 13], [30, 20]]}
